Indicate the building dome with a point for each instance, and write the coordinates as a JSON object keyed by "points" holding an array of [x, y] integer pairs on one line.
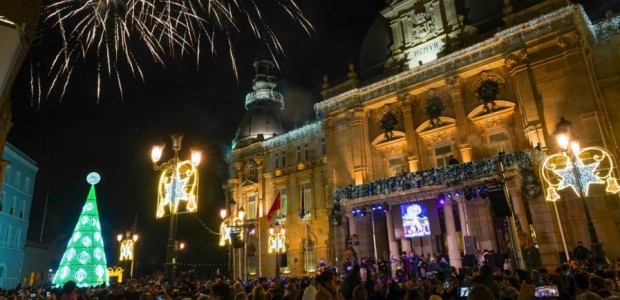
{"points": [[375, 48], [262, 119]]}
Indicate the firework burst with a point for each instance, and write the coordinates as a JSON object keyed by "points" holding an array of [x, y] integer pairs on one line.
{"points": [[109, 30]]}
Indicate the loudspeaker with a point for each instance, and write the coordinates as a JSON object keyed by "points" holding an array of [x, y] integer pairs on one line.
{"points": [[283, 260], [498, 204], [470, 244]]}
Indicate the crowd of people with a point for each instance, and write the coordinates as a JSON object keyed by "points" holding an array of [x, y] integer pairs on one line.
{"points": [[414, 277]]}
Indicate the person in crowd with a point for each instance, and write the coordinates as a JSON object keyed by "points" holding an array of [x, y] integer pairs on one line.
{"points": [[581, 253], [220, 291], [360, 293], [68, 291], [326, 287], [486, 279], [350, 281]]}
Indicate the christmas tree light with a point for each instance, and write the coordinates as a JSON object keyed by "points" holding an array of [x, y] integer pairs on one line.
{"points": [[84, 259]]}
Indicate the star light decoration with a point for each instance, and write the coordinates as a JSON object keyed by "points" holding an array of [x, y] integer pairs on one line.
{"points": [[591, 165], [176, 187], [230, 226]]}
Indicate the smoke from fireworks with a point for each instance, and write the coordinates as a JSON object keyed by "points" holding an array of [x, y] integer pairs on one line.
{"points": [[109, 29]]}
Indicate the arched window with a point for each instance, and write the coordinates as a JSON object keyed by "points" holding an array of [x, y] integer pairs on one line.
{"points": [[26, 187], [7, 174], [18, 180], [12, 208]]}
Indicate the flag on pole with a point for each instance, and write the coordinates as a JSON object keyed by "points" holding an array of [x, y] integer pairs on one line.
{"points": [[302, 212], [274, 207]]}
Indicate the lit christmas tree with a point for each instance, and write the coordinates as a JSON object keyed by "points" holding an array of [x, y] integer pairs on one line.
{"points": [[84, 259]]}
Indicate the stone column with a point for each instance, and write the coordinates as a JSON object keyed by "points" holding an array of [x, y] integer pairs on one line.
{"points": [[453, 249], [405, 245], [461, 202], [410, 134], [454, 82], [391, 236]]}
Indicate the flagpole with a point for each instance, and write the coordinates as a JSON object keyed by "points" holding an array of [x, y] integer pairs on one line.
{"points": [[44, 215]]}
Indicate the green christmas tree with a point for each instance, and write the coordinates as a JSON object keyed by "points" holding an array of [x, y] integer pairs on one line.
{"points": [[84, 259]]}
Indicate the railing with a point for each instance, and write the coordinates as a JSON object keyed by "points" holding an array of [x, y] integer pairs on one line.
{"points": [[441, 176]]}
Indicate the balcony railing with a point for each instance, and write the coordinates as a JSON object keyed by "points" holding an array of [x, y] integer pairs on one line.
{"points": [[264, 95], [441, 176]]}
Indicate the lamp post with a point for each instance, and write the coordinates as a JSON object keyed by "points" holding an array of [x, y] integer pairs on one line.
{"points": [[178, 182], [128, 245], [277, 243], [564, 138], [512, 226], [234, 224]]}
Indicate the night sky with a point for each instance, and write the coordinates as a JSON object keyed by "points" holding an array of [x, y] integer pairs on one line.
{"points": [[70, 138]]}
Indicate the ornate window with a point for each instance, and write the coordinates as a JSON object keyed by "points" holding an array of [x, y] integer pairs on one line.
{"points": [[306, 201], [276, 160], [396, 166], [251, 212], [499, 141], [283, 159], [441, 153], [309, 253], [306, 152], [283, 211], [298, 154]]}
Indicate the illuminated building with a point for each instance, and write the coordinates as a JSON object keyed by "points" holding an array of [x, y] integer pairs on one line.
{"points": [[445, 98], [19, 172]]}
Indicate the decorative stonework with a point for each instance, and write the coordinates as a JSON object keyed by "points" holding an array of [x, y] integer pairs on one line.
{"points": [[487, 88], [500, 117], [432, 134], [513, 60], [569, 41], [453, 81], [404, 98], [423, 27], [434, 108], [388, 120]]}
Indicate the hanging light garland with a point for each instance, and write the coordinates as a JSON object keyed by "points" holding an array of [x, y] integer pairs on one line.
{"points": [[441, 176]]}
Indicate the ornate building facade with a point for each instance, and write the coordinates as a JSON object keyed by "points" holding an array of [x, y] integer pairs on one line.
{"points": [[439, 153]]}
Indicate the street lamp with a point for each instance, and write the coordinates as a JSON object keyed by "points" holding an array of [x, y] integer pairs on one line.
{"points": [[178, 183], [128, 245], [277, 243], [233, 227], [564, 137]]}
